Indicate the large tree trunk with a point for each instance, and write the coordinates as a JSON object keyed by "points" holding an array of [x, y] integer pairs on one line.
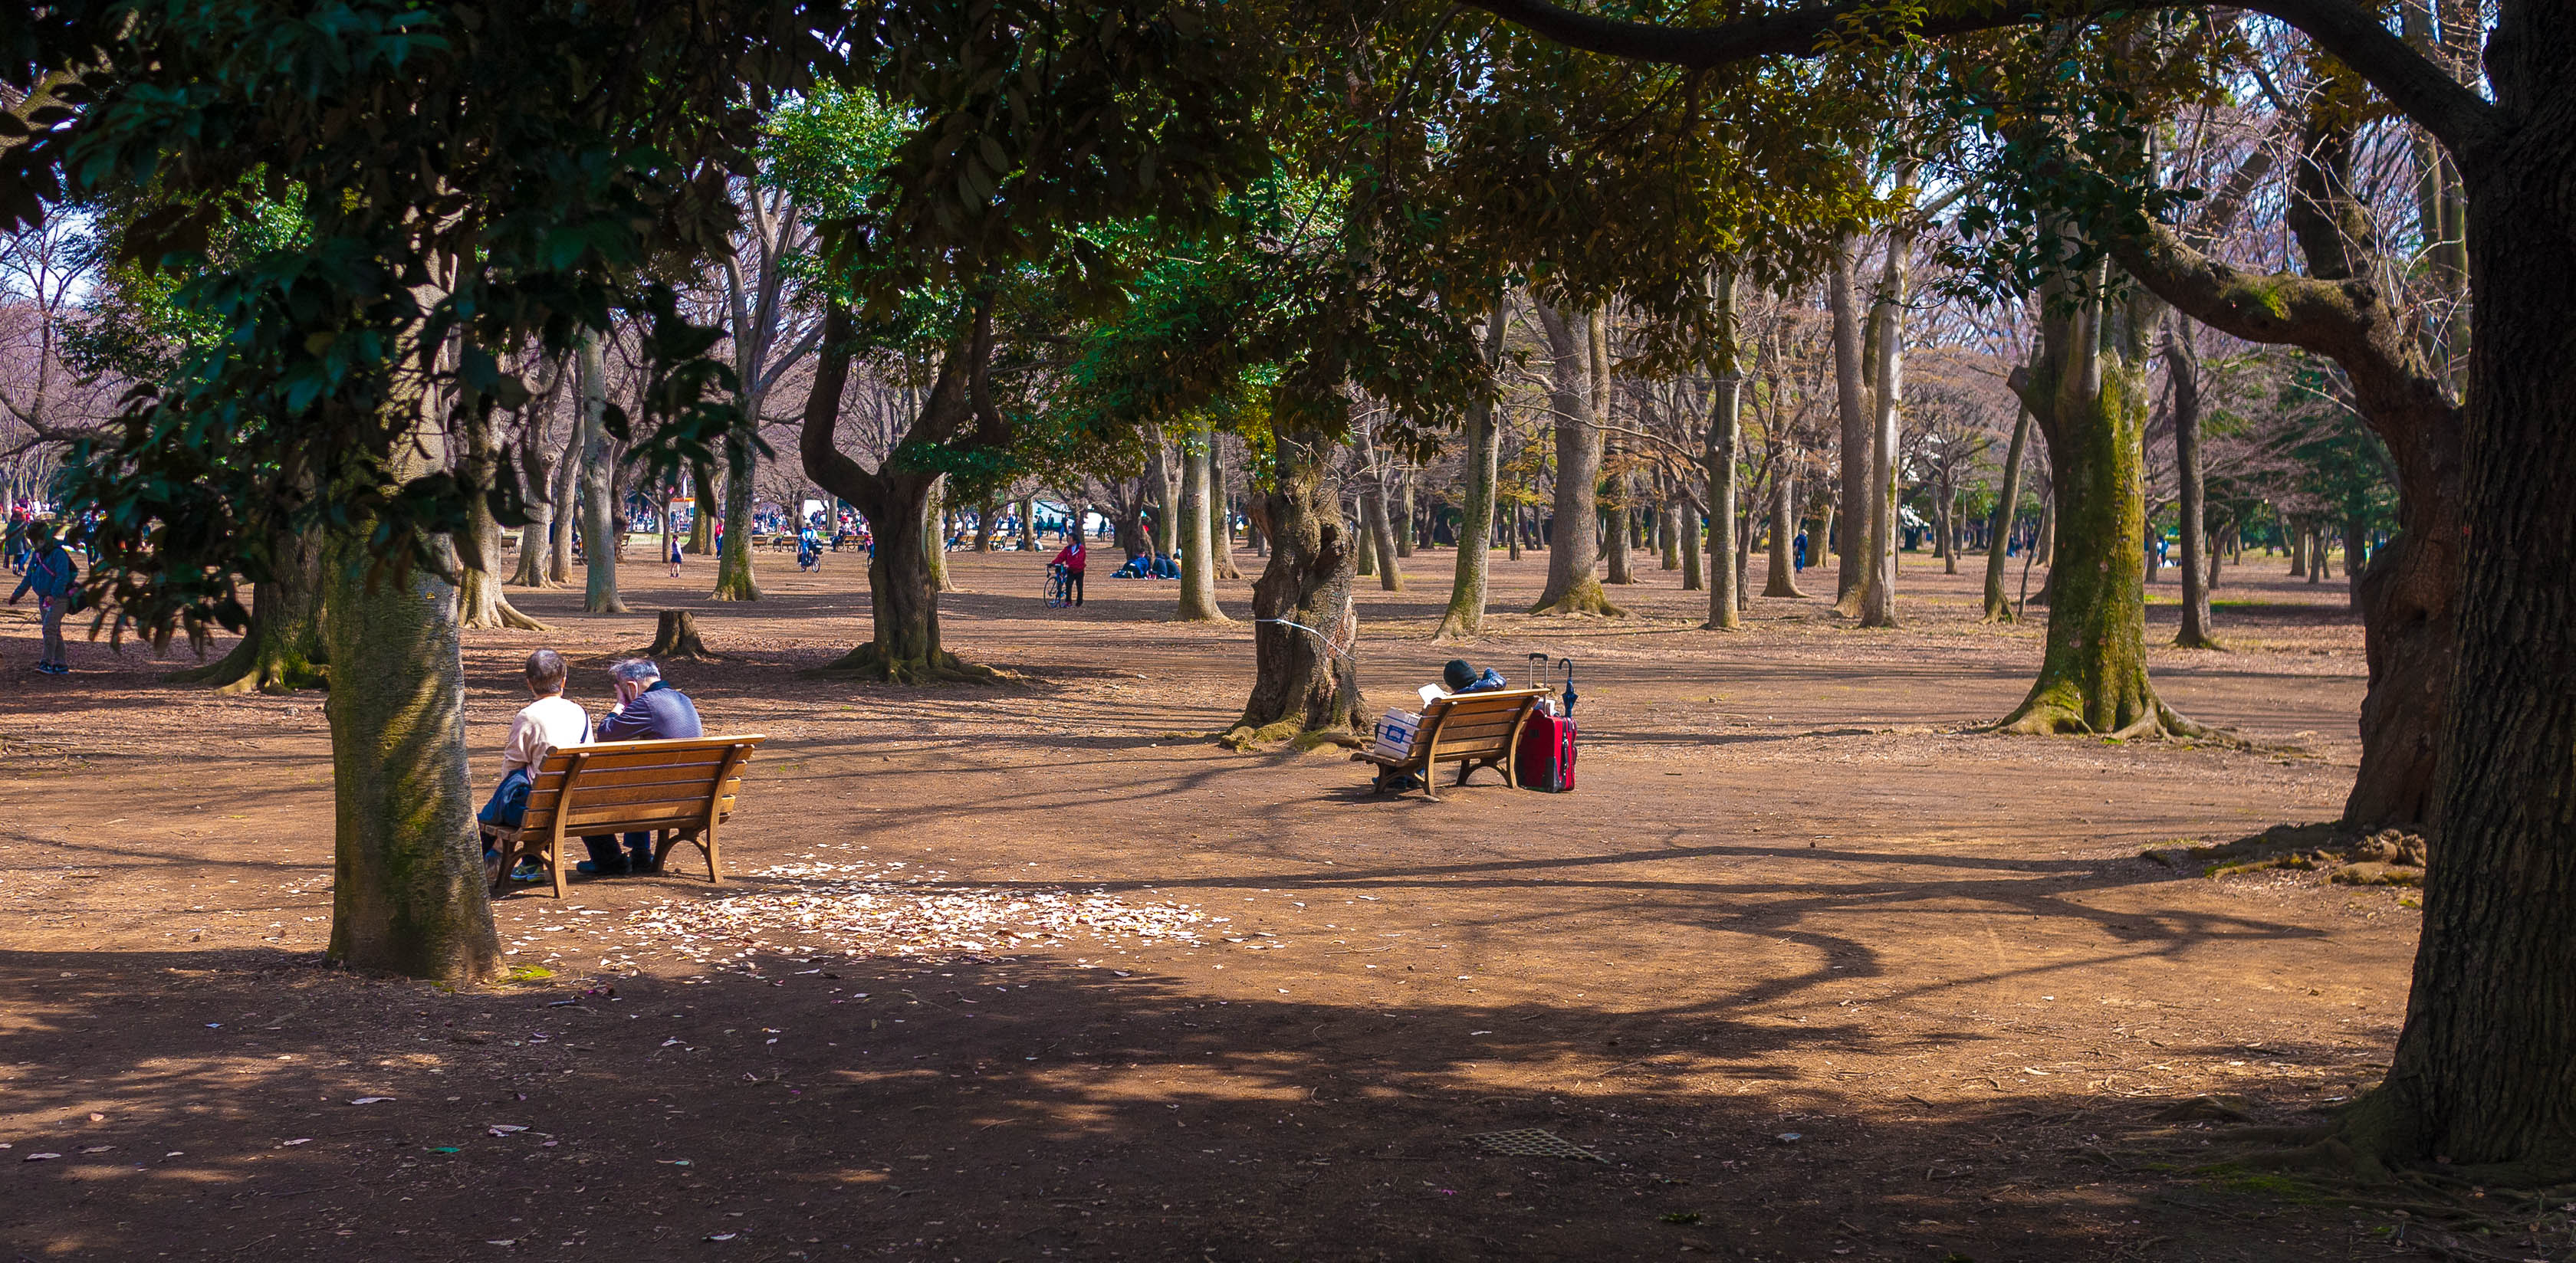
{"points": [[1402, 507], [1694, 576], [1852, 407], [481, 603], [1306, 628], [934, 537], [1384, 544], [1999, 546], [1723, 436], [2481, 1070], [1783, 579], [2086, 389], [1574, 545], [408, 891], [1198, 533], [282, 650], [598, 517], [1465, 616], [536, 539]]}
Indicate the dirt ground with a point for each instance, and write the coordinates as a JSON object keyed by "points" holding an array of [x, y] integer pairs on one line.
{"points": [[1812, 971]]}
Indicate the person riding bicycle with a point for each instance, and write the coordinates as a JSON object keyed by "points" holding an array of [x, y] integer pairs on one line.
{"points": [[1071, 558]]}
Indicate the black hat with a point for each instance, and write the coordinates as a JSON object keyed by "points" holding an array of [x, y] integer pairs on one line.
{"points": [[1457, 675]]}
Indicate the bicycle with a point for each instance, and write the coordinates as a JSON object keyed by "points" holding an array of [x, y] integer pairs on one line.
{"points": [[1059, 588]]}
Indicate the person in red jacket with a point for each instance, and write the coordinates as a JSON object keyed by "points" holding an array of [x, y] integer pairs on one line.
{"points": [[1071, 559]]}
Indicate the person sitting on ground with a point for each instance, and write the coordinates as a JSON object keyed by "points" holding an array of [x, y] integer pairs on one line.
{"points": [[648, 709], [1166, 568], [1071, 558], [540, 728], [1139, 566]]}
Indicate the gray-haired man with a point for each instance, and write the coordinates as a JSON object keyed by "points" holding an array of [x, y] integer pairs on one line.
{"points": [[648, 709]]}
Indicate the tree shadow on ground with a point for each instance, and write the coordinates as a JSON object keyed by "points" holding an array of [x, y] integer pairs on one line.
{"points": [[1017, 1108]]}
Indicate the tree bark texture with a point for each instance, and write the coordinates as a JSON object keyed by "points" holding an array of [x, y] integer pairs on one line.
{"points": [[598, 525], [1574, 547], [1999, 546], [1198, 533], [2182, 369], [1306, 625], [1852, 407], [1887, 328], [282, 650], [1465, 617], [1724, 437], [2086, 391], [1783, 579], [735, 580]]}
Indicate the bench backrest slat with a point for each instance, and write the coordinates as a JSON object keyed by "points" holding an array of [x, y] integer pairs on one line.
{"points": [[631, 786], [1476, 725]]}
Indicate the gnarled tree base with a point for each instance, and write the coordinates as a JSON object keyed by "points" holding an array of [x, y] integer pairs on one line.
{"points": [[1292, 730], [938, 667], [2062, 710], [675, 636], [253, 667], [1585, 597]]}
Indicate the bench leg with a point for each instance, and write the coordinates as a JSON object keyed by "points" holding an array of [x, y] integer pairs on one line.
{"points": [[1430, 774], [707, 843], [555, 866]]}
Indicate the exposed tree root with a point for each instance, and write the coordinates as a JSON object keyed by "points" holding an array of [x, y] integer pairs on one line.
{"points": [[1585, 597], [248, 669], [1293, 730], [675, 637], [2198, 640], [867, 662]]}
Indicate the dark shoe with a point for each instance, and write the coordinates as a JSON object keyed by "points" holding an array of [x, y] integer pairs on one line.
{"points": [[642, 864], [593, 868]]}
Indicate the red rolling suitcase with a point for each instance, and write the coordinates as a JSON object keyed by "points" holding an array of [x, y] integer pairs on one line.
{"points": [[1545, 759]]}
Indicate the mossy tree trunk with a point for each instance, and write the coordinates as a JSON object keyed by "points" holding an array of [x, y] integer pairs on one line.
{"points": [[1465, 617], [1574, 545], [2086, 391], [480, 601], [702, 523], [408, 894], [934, 536], [1617, 544], [1306, 629], [735, 577]]}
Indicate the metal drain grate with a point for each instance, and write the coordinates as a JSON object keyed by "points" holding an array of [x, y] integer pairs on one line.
{"points": [[1533, 1142]]}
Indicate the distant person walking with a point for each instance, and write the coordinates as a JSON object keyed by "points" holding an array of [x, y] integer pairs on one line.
{"points": [[1071, 558], [53, 576]]}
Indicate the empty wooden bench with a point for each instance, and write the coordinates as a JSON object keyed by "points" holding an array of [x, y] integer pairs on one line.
{"points": [[1472, 730], [680, 790]]}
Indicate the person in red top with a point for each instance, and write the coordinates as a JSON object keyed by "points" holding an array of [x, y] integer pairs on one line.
{"points": [[1071, 559]]}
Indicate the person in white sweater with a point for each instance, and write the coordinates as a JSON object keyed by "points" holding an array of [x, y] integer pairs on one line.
{"points": [[541, 726]]}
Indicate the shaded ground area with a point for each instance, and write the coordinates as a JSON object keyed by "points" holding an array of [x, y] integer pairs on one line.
{"points": [[1815, 972]]}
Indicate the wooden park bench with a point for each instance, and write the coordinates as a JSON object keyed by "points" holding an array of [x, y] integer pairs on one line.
{"points": [[681, 790], [1472, 730]]}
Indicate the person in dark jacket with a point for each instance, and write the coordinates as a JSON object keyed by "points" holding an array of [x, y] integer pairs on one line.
{"points": [[648, 709], [1461, 676]]}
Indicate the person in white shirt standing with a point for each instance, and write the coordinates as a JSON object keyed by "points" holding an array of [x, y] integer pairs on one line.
{"points": [[541, 726]]}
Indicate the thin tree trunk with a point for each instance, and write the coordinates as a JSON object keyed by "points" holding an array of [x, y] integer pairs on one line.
{"points": [[1887, 320], [2182, 369], [934, 536], [1852, 405], [599, 548], [567, 493], [1725, 608], [1198, 534], [1465, 616], [1999, 543], [1783, 579]]}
